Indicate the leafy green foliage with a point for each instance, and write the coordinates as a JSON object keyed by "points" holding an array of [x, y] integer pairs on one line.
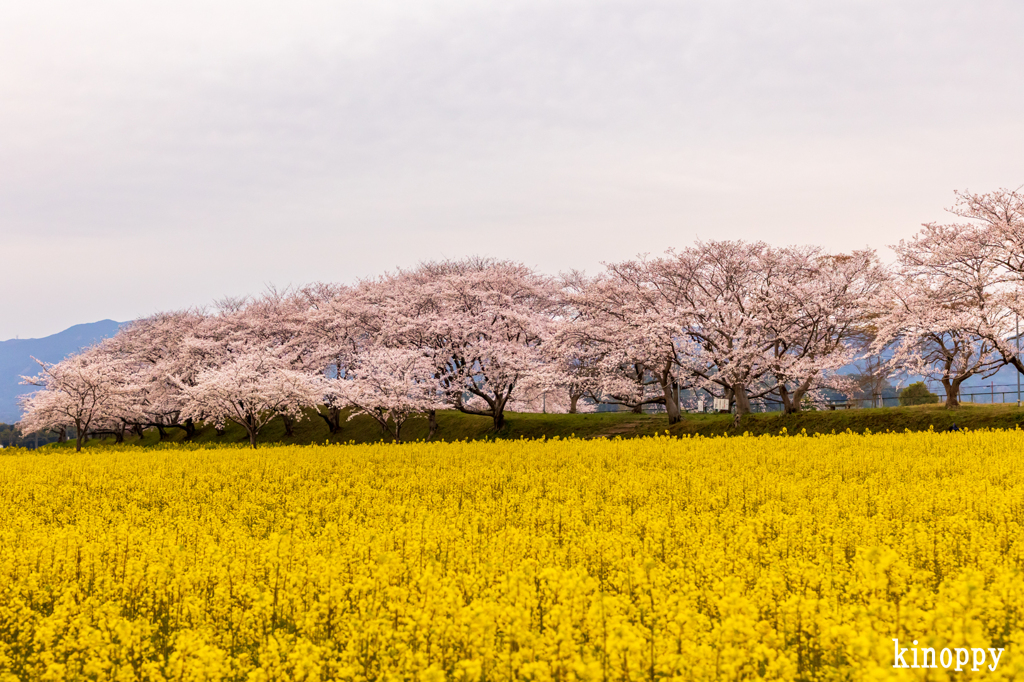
{"points": [[917, 394]]}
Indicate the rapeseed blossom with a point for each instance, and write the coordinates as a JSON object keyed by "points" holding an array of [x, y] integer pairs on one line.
{"points": [[775, 558]]}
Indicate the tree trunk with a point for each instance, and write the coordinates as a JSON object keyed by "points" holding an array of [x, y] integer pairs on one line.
{"points": [[333, 419], [432, 421], [288, 424], [671, 391], [79, 436], [742, 403], [793, 404], [62, 435], [138, 430], [163, 432], [250, 429], [801, 391], [787, 402], [119, 435], [952, 389], [190, 428], [739, 392], [573, 399], [496, 405], [638, 408]]}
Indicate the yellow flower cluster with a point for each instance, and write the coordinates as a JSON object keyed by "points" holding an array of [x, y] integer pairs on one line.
{"points": [[776, 558]]}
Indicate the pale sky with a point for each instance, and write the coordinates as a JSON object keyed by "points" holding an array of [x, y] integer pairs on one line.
{"points": [[165, 154]]}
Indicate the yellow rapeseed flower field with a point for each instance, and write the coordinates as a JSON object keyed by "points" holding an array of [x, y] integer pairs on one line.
{"points": [[777, 558]]}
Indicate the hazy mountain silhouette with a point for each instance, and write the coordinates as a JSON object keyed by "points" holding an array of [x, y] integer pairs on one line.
{"points": [[16, 359]]}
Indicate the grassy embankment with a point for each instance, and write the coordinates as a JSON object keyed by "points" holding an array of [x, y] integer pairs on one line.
{"points": [[457, 426]]}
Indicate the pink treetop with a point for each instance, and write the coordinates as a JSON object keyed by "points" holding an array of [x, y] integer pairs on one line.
{"points": [[80, 391], [945, 314], [998, 223], [484, 322], [738, 320], [997, 229]]}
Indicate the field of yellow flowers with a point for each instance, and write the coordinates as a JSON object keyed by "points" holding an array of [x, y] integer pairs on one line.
{"points": [[646, 559]]}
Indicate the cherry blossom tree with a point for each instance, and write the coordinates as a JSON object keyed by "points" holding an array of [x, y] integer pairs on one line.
{"points": [[390, 385], [482, 320], [338, 325], [738, 320], [817, 317], [945, 315], [573, 371], [152, 351], [629, 337], [80, 392], [249, 389], [723, 293], [996, 228], [997, 222], [275, 323], [49, 410]]}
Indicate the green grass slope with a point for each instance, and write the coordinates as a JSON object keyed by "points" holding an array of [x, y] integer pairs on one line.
{"points": [[458, 426]]}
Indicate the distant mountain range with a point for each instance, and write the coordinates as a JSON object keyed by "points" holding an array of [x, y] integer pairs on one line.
{"points": [[16, 359]]}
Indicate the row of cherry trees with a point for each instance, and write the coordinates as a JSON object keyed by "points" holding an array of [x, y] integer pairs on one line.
{"points": [[735, 320]]}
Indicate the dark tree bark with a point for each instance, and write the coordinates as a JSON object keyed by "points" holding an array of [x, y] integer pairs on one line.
{"points": [[952, 389], [432, 421], [787, 401], [739, 392], [79, 434], [333, 419], [496, 405], [249, 423], [672, 404], [792, 402], [670, 389]]}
